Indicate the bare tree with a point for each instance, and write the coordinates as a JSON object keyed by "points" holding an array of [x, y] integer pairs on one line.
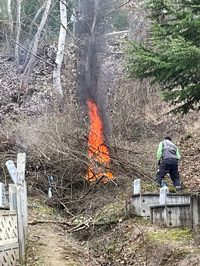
{"points": [[30, 44], [61, 47], [10, 16], [29, 68], [18, 30]]}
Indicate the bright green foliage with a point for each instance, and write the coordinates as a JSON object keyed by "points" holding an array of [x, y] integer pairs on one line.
{"points": [[172, 56]]}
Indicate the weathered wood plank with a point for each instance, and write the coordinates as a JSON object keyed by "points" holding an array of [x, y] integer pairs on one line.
{"points": [[2, 195], [9, 246], [7, 212], [13, 196], [20, 224], [12, 171], [21, 166]]}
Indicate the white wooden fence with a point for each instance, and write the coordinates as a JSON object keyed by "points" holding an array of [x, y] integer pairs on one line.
{"points": [[13, 215]]}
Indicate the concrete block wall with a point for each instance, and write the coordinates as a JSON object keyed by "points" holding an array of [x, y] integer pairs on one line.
{"points": [[140, 203], [172, 210], [195, 211], [171, 215]]}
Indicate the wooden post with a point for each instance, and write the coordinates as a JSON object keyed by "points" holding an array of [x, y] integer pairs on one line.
{"points": [[21, 165], [2, 195], [22, 201], [13, 197], [18, 199], [12, 171], [25, 208], [20, 225]]}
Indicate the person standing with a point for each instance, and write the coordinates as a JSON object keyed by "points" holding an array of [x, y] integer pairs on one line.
{"points": [[168, 156]]}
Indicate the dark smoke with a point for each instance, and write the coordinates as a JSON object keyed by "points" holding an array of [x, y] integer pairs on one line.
{"points": [[90, 28]]}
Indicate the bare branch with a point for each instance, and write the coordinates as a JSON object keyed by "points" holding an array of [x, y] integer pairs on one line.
{"points": [[38, 57], [115, 9]]}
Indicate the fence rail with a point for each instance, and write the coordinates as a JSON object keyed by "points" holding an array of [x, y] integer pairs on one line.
{"points": [[13, 218]]}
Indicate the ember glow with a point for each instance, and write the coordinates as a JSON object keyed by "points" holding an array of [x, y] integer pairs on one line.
{"points": [[98, 152]]}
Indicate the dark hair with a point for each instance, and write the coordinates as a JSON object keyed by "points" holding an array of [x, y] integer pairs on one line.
{"points": [[168, 138]]}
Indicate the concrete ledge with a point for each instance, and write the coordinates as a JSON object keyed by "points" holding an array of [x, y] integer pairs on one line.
{"points": [[170, 215], [139, 203], [146, 195], [168, 209]]}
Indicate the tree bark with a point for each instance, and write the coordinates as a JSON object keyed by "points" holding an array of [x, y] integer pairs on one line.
{"points": [[61, 48]]}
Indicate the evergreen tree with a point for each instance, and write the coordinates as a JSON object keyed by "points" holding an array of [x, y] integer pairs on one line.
{"points": [[171, 56]]}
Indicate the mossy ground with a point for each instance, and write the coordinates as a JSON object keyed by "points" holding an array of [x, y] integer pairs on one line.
{"points": [[172, 234]]}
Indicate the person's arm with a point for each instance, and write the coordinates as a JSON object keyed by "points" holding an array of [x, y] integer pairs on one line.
{"points": [[178, 154], [159, 152]]}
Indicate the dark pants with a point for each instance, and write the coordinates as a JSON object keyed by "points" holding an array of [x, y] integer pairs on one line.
{"points": [[170, 167]]}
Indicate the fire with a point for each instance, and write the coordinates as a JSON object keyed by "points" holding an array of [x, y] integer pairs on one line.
{"points": [[98, 152]]}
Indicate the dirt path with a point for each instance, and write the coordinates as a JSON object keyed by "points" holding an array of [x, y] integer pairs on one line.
{"points": [[53, 247], [48, 244], [133, 242]]}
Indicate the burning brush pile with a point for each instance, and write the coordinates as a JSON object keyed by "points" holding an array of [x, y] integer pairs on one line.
{"points": [[99, 168]]}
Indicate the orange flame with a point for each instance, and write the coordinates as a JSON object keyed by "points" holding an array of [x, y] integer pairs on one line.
{"points": [[98, 152]]}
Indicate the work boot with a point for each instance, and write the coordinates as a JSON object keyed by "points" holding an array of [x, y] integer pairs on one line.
{"points": [[178, 189]]}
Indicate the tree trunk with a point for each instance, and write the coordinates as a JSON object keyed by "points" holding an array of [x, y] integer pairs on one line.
{"points": [[10, 16], [60, 52], [29, 68], [18, 30], [27, 57], [91, 45]]}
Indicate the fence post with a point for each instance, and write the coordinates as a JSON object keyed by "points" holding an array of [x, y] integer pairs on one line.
{"points": [[18, 199], [22, 202], [21, 165], [2, 195], [137, 186], [12, 170], [163, 196], [20, 224], [13, 197]]}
